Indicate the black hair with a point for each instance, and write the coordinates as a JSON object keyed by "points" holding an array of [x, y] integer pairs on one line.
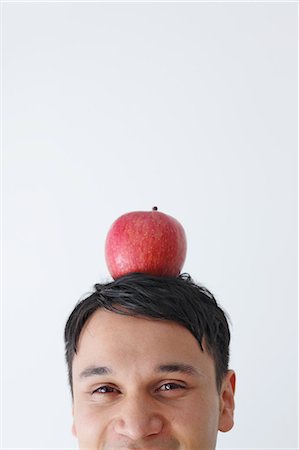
{"points": [[178, 299]]}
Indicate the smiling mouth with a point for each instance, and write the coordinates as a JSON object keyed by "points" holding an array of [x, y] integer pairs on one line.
{"points": [[134, 447], [170, 445]]}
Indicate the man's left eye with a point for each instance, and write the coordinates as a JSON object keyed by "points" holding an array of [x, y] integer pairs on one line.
{"points": [[171, 386]]}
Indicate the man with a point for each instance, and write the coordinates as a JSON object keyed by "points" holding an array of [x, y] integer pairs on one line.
{"points": [[148, 366]]}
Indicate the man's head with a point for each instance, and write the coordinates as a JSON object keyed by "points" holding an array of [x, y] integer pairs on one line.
{"points": [[148, 366]]}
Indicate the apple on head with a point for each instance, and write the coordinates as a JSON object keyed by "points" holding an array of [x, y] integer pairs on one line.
{"points": [[149, 242]]}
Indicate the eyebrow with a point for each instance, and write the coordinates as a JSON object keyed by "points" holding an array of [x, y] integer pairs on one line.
{"points": [[185, 369], [92, 371]]}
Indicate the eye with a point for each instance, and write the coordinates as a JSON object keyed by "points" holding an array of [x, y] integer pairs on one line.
{"points": [[105, 390], [171, 387]]}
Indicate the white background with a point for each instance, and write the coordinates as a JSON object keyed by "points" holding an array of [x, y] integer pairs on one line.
{"points": [[110, 108]]}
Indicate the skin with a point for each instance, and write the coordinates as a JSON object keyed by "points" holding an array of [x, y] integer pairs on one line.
{"points": [[137, 406]]}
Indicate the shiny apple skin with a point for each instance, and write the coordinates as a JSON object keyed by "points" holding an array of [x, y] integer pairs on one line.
{"points": [[149, 242]]}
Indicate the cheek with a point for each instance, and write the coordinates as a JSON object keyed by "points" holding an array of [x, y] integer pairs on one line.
{"points": [[197, 423], [90, 425]]}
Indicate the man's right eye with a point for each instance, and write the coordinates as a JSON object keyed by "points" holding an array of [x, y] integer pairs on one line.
{"points": [[104, 390]]}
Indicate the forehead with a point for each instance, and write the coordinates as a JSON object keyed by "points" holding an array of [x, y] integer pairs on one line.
{"points": [[121, 341], [107, 323]]}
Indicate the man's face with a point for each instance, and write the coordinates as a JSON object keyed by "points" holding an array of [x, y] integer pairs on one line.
{"points": [[145, 384]]}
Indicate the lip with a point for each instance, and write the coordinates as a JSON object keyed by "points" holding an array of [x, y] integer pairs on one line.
{"points": [[157, 443], [135, 447]]}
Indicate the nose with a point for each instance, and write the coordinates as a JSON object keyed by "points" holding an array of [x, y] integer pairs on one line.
{"points": [[137, 419]]}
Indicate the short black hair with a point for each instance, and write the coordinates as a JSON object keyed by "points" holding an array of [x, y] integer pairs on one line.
{"points": [[178, 299]]}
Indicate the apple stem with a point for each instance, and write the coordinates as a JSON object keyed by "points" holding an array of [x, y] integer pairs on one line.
{"points": [[155, 208]]}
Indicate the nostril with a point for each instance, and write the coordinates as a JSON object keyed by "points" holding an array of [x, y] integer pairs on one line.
{"points": [[156, 424], [138, 427]]}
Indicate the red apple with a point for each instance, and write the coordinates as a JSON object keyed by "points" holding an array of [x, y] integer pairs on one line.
{"points": [[148, 242]]}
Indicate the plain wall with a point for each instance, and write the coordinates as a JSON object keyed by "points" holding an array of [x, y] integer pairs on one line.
{"points": [[115, 107]]}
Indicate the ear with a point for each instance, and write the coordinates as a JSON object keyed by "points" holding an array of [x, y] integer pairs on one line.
{"points": [[74, 431], [227, 403]]}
